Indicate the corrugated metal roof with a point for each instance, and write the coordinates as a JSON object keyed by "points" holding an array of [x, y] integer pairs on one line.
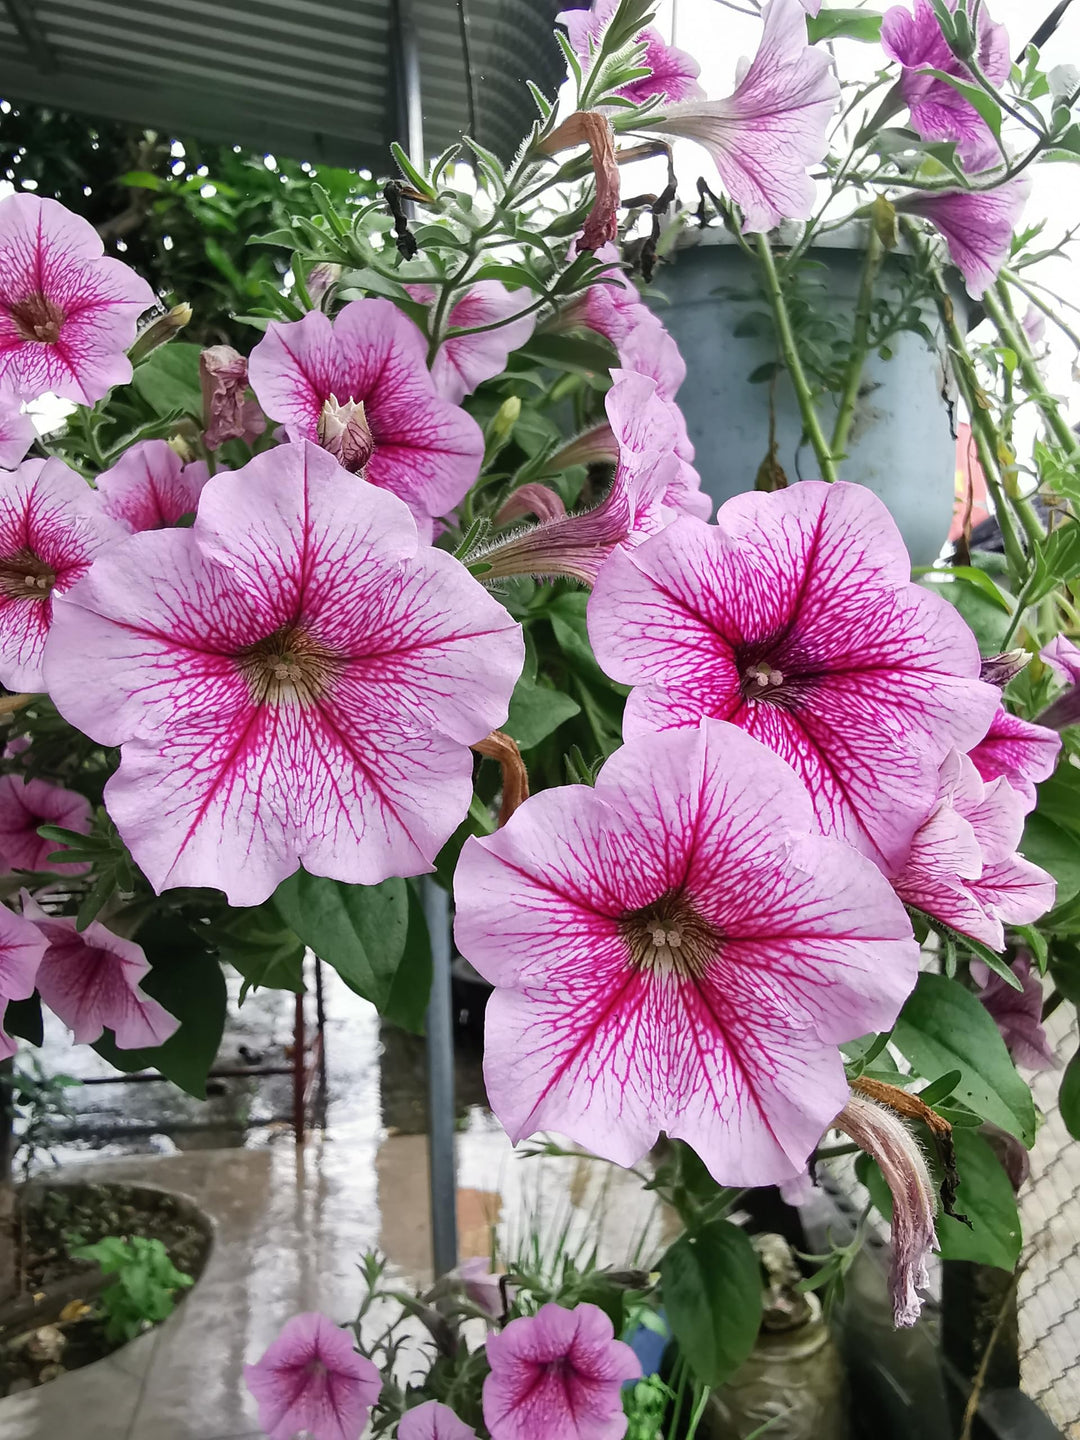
{"points": [[312, 79]]}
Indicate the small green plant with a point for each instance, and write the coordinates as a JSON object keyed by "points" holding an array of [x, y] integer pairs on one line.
{"points": [[144, 1291], [35, 1101]]}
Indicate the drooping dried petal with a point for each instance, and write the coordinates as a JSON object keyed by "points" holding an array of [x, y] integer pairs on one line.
{"points": [[228, 413], [589, 127]]}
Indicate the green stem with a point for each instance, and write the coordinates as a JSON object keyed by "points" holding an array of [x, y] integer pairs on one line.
{"points": [[864, 309], [998, 307], [1040, 304], [790, 351]]}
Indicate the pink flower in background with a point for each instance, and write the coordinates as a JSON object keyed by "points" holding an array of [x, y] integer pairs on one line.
{"points": [[886, 1139], [794, 617], [228, 412], [294, 680], [465, 361], [963, 867], [311, 1379], [1017, 1013], [482, 1285], [433, 1422], [17, 431], [558, 1374], [426, 451], [765, 136], [67, 314], [1063, 657], [1020, 751], [674, 72], [679, 949], [90, 979], [938, 110], [21, 947], [51, 526], [978, 226], [150, 487], [27, 804]]}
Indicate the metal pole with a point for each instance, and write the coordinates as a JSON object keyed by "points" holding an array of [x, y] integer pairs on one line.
{"points": [[410, 107], [440, 1059]]}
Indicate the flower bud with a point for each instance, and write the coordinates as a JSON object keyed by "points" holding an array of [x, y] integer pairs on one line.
{"points": [[159, 331], [321, 277], [1000, 669], [345, 433]]}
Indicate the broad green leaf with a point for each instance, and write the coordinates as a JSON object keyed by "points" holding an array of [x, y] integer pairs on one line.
{"points": [[265, 951], [982, 581], [411, 988], [1069, 1097], [537, 710], [569, 352], [1058, 560], [1059, 799], [142, 180], [985, 616], [712, 1296], [944, 1027], [844, 24], [358, 929], [1046, 844], [168, 379]]}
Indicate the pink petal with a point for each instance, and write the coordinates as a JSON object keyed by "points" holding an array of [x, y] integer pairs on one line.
{"points": [[433, 1422], [1018, 1014], [21, 947], [25, 804], [312, 1379], [1018, 750], [674, 72], [17, 432], [466, 361], [1063, 657], [150, 487], [978, 227]]}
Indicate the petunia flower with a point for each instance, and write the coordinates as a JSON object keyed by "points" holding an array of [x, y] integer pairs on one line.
{"points": [[90, 979], [17, 431], [679, 949], [67, 313], [51, 527], [577, 545], [558, 1374], [673, 72], [1020, 751], [26, 804], [1017, 1013], [294, 680], [228, 411], [978, 226], [312, 1380], [764, 137], [938, 110], [150, 487], [1063, 657], [886, 1139], [963, 867], [793, 617], [462, 362], [425, 450], [21, 947], [433, 1421], [482, 1286]]}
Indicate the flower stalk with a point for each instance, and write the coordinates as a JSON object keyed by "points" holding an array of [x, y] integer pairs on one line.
{"points": [[849, 397], [999, 308]]}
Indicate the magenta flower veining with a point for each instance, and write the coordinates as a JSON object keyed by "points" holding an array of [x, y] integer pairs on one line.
{"points": [[978, 226], [150, 487], [462, 362], [433, 1421], [674, 73], [1024, 753], [311, 1379], [26, 804]]}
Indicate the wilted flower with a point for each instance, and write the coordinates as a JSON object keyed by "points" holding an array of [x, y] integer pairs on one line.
{"points": [[17, 431], [558, 1374], [25, 804], [51, 527], [433, 1422], [150, 487], [1004, 667], [21, 947], [963, 868], [294, 680], [67, 314], [1020, 751], [674, 72], [766, 135], [312, 1380], [228, 412], [793, 616], [90, 979], [462, 362], [886, 1139], [679, 949], [978, 226], [938, 110], [1017, 1013], [426, 450], [589, 127]]}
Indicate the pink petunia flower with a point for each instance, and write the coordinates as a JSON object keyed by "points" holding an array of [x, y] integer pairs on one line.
{"points": [[21, 947], [26, 804], [1063, 657], [938, 110], [90, 979], [433, 1422], [577, 545], [1020, 751], [793, 617], [674, 72], [424, 450], [482, 1286], [150, 487], [294, 680], [67, 314], [963, 868], [17, 431], [679, 949], [764, 137], [312, 1380], [228, 412], [1017, 1013], [463, 362], [51, 527], [978, 226], [559, 1374]]}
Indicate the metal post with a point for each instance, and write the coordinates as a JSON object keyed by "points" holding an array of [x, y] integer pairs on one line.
{"points": [[299, 1060], [440, 1059], [410, 108]]}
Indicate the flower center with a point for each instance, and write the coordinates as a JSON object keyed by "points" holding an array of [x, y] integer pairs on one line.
{"points": [[669, 937], [37, 318], [24, 577], [288, 667]]}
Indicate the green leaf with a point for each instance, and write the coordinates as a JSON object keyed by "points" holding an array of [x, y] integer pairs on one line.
{"points": [[142, 180], [711, 1284], [982, 581], [985, 617], [1058, 561], [265, 952], [411, 988], [411, 173], [536, 711], [168, 379], [358, 929], [844, 24], [568, 352], [1069, 1097], [1046, 844], [943, 1027]]}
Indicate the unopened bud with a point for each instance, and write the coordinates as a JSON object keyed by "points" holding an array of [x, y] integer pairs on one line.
{"points": [[345, 434], [1000, 669], [321, 277], [505, 418], [159, 331], [180, 445]]}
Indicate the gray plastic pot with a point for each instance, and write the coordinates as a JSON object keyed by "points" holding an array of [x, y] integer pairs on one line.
{"points": [[902, 445]]}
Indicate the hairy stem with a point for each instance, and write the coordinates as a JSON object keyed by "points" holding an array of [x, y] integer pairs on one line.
{"points": [[864, 308], [999, 308]]}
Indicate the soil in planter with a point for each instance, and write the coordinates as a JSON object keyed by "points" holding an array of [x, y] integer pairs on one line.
{"points": [[50, 1222]]}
